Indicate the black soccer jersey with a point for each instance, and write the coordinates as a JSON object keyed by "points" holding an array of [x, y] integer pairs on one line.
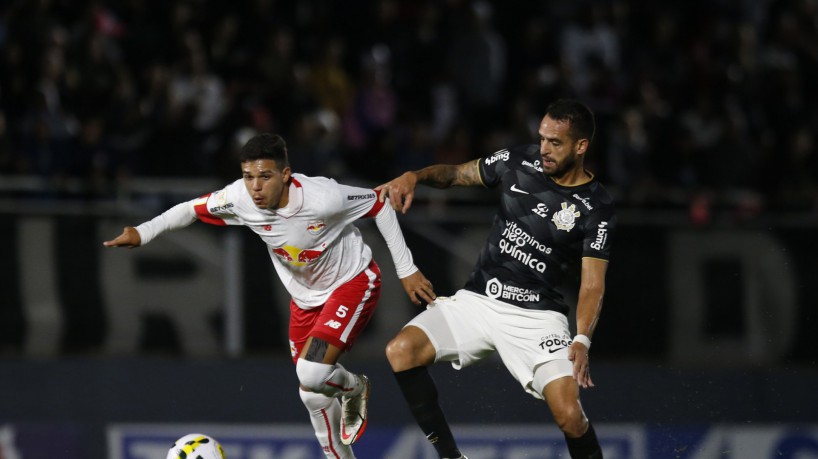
{"points": [[540, 231]]}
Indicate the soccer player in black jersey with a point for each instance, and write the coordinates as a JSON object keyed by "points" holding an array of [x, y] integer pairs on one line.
{"points": [[553, 215]]}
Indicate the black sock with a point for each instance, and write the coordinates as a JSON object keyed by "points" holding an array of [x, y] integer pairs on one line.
{"points": [[420, 393], [586, 446]]}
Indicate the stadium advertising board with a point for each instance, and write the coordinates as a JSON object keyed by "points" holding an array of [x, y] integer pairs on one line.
{"points": [[738, 296], [619, 441]]}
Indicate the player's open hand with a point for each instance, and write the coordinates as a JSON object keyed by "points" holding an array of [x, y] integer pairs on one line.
{"points": [[400, 190], [418, 288], [129, 238], [578, 354]]}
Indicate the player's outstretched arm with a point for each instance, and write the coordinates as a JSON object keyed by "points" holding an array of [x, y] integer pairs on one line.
{"points": [[418, 288], [129, 238], [401, 190]]}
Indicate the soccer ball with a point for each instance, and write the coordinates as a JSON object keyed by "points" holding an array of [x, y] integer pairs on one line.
{"points": [[196, 446]]}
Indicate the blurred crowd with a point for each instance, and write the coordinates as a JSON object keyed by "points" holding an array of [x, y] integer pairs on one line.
{"points": [[699, 103]]}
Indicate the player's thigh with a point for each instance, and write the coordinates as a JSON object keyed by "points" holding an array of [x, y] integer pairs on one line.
{"points": [[562, 396], [301, 323], [317, 350], [457, 328], [343, 317], [550, 371], [348, 310], [532, 344]]}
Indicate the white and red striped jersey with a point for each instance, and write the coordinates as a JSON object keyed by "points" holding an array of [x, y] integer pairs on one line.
{"points": [[314, 246]]}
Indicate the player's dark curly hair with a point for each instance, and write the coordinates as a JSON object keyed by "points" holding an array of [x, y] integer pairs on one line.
{"points": [[580, 117], [266, 146]]}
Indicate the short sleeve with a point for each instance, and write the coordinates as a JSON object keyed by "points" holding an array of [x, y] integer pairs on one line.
{"points": [[493, 166], [218, 208], [359, 202], [599, 233]]}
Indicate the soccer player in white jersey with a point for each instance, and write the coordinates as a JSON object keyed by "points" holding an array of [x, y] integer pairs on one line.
{"points": [[322, 260]]}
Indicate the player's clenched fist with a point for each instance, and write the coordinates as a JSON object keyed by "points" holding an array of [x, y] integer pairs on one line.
{"points": [[129, 238]]}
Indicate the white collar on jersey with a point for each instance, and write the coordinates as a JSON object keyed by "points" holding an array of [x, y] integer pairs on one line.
{"points": [[295, 202]]}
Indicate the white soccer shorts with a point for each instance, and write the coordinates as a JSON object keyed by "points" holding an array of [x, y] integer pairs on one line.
{"points": [[468, 327]]}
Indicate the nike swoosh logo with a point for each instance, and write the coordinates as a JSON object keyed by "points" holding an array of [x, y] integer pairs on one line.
{"points": [[514, 188], [551, 351]]}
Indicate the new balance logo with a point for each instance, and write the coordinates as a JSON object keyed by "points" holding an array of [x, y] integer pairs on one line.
{"points": [[333, 324], [517, 190]]}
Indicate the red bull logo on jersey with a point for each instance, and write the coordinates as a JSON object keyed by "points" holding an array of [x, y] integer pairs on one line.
{"points": [[316, 228], [296, 256]]}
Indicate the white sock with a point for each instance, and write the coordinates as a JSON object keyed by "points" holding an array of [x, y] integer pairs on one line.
{"points": [[350, 380], [330, 380], [325, 416]]}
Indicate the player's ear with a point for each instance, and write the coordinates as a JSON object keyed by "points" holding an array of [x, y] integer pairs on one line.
{"points": [[581, 146], [286, 173]]}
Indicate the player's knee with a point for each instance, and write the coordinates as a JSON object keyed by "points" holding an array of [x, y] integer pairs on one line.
{"points": [[410, 349], [314, 401], [399, 353], [313, 375], [571, 420]]}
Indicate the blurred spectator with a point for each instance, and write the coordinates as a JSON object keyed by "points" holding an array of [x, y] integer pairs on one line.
{"points": [[93, 160], [8, 157], [330, 83], [696, 99], [371, 119], [478, 67], [589, 48], [628, 162], [194, 85]]}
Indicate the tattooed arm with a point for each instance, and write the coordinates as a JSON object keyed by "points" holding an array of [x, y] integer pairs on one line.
{"points": [[446, 175], [401, 190]]}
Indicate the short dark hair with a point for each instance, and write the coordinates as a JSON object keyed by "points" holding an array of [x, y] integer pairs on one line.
{"points": [[266, 146], [580, 117]]}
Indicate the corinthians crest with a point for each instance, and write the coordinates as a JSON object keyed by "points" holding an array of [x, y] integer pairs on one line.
{"points": [[565, 218]]}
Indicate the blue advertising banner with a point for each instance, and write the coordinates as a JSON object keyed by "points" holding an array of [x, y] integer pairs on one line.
{"points": [[509, 441]]}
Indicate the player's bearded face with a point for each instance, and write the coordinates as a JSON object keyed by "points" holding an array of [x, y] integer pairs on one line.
{"points": [[557, 147], [266, 184], [560, 167]]}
